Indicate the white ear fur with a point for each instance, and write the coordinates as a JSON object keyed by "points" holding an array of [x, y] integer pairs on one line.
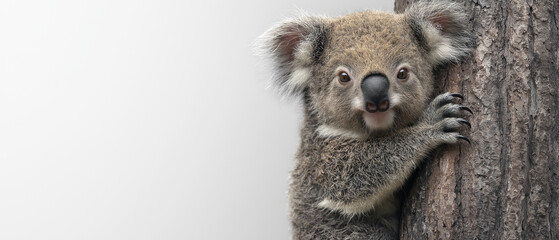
{"points": [[294, 45], [441, 27]]}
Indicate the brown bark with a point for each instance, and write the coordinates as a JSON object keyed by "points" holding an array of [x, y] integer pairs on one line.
{"points": [[505, 185]]}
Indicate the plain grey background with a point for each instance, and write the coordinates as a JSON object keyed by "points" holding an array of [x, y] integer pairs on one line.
{"points": [[145, 119]]}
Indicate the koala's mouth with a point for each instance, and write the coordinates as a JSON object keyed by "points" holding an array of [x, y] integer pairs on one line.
{"points": [[379, 120]]}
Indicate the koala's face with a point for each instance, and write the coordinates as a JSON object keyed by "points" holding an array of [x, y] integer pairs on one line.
{"points": [[372, 74], [366, 72]]}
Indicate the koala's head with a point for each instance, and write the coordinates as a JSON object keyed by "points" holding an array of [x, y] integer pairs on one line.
{"points": [[370, 71]]}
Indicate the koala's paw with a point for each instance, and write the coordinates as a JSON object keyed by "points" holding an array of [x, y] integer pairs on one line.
{"points": [[444, 106], [447, 117], [447, 130]]}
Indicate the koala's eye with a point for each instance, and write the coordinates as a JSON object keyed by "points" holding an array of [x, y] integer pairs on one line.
{"points": [[403, 74], [343, 77]]}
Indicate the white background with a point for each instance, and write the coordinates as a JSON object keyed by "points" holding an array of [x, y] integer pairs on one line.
{"points": [[145, 119]]}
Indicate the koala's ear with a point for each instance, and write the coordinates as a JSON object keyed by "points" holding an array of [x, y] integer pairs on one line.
{"points": [[440, 28], [294, 45]]}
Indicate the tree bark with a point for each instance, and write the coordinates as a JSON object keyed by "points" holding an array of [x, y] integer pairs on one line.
{"points": [[505, 185]]}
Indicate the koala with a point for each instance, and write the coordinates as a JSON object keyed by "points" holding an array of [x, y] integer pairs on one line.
{"points": [[366, 84]]}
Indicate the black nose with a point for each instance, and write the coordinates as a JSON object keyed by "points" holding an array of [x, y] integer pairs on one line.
{"points": [[375, 93]]}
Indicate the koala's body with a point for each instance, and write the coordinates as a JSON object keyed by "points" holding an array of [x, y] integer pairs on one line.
{"points": [[366, 81]]}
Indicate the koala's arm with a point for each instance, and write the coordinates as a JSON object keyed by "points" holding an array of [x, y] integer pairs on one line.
{"points": [[354, 175]]}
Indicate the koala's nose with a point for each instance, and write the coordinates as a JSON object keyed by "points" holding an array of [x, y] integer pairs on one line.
{"points": [[375, 93]]}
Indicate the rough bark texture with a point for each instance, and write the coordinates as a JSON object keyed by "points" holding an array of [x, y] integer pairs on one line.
{"points": [[505, 185]]}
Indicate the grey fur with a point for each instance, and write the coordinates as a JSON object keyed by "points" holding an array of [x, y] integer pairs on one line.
{"points": [[307, 29], [348, 171], [422, 15]]}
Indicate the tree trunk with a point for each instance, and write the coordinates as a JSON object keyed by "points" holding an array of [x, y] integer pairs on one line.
{"points": [[505, 185]]}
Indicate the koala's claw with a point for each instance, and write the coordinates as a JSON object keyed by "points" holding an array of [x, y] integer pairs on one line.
{"points": [[453, 110], [447, 98], [466, 109], [464, 121], [463, 138], [453, 124], [458, 95]]}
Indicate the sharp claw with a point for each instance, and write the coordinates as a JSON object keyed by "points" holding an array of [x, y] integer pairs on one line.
{"points": [[466, 109], [464, 138], [450, 100], [458, 95], [464, 121]]}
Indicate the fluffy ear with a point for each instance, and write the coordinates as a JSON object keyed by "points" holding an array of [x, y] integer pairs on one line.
{"points": [[441, 28], [294, 45]]}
